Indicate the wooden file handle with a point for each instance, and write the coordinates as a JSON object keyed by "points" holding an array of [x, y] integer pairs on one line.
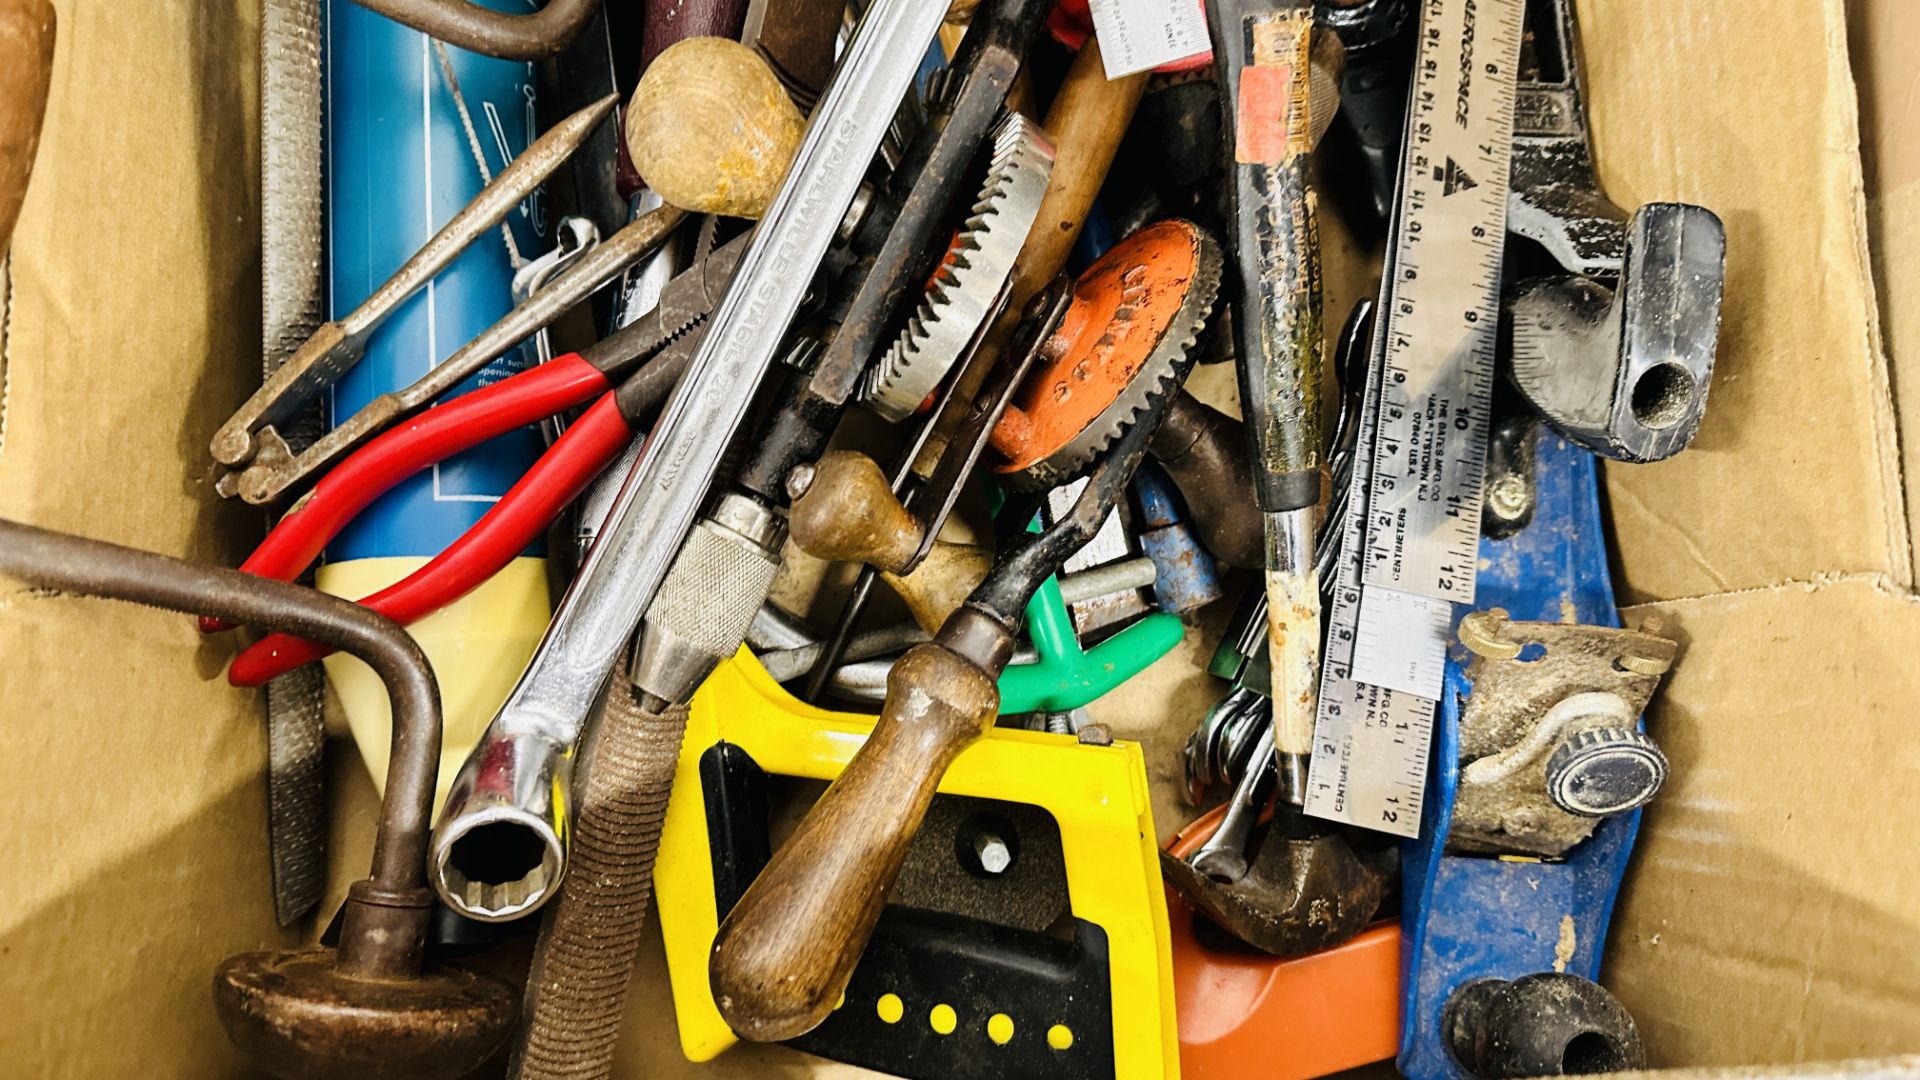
{"points": [[783, 956], [26, 69]]}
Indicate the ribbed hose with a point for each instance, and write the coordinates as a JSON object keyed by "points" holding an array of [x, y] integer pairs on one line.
{"points": [[590, 937]]}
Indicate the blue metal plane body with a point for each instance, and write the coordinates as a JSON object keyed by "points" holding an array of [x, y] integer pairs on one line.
{"points": [[1471, 917]]}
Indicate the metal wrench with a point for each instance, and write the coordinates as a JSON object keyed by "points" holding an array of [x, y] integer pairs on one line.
{"points": [[520, 774]]}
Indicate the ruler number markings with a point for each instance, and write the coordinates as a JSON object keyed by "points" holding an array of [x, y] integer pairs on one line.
{"points": [[1414, 527]]}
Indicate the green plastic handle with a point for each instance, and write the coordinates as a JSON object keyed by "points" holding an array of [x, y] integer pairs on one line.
{"points": [[1067, 676]]}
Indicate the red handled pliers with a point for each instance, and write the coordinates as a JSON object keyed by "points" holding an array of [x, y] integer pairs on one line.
{"points": [[631, 371]]}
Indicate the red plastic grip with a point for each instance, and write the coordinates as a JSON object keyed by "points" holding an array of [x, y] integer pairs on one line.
{"points": [[522, 514], [420, 441]]}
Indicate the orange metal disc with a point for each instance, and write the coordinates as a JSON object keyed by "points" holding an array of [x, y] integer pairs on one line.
{"points": [[1133, 310]]}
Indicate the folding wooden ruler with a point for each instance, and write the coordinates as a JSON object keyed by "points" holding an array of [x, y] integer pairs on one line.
{"points": [[1412, 535]]}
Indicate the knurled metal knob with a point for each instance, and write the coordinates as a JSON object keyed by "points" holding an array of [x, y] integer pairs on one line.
{"points": [[1605, 770]]}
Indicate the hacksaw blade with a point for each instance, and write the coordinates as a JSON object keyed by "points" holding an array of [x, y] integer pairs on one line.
{"points": [[291, 246]]}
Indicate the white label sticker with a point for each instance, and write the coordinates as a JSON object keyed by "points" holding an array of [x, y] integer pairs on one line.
{"points": [[1401, 642], [1136, 35]]}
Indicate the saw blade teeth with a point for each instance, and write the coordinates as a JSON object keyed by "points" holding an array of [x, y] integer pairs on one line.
{"points": [[964, 288]]}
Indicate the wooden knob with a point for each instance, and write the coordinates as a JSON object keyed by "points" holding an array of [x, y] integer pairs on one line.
{"points": [[784, 954], [942, 582], [710, 128], [848, 513]]}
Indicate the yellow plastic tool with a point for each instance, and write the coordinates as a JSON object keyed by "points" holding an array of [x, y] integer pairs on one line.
{"points": [[1096, 794]]}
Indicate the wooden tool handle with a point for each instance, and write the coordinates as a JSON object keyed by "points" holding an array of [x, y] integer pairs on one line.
{"points": [[942, 582], [848, 513], [1087, 120], [711, 128], [26, 68], [783, 956]]}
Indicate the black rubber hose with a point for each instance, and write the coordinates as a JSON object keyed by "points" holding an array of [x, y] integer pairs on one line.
{"points": [[94, 568]]}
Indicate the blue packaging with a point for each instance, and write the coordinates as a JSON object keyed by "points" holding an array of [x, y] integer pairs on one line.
{"points": [[399, 165]]}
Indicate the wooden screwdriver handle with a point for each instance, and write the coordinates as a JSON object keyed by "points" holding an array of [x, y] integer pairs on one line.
{"points": [[785, 953], [942, 582]]}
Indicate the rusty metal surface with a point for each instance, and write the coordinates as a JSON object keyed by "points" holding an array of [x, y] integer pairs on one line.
{"points": [[797, 39], [365, 1011], [292, 249], [590, 940], [93, 568], [895, 242], [968, 288], [1125, 342], [1520, 672], [338, 345], [298, 1017], [492, 33], [279, 468], [1300, 895]]}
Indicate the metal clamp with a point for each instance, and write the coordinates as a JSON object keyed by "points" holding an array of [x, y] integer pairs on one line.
{"points": [[1617, 354], [1550, 740]]}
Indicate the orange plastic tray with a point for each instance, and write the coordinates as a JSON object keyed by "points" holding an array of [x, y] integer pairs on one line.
{"points": [[1243, 1013]]}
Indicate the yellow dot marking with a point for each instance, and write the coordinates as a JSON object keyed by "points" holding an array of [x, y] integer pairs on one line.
{"points": [[943, 1019], [890, 1008], [842, 1001], [1060, 1037], [1000, 1029]]}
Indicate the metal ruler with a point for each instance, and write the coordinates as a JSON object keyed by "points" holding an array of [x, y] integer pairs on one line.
{"points": [[1412, 538]]}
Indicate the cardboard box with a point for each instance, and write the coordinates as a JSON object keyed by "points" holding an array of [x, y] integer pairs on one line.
{"points": [[1773, 914]]}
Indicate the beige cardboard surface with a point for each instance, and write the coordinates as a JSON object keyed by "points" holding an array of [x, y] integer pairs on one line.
{"points": [[1771, 916], [1770, 912], [1883, 36], [132, 772]]}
